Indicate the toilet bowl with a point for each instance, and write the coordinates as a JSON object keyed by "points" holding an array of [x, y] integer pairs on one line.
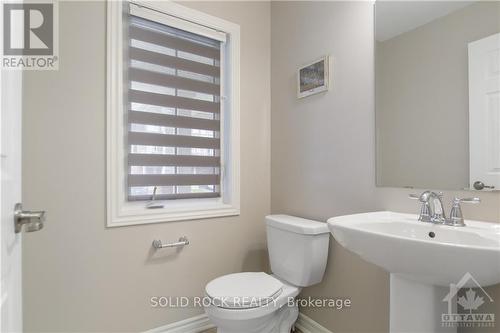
{"points": [[257, 302], [264, 313]]}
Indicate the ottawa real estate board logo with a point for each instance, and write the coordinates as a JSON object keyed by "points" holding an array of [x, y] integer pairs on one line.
{"points": [[30, 35], [466, 310]]}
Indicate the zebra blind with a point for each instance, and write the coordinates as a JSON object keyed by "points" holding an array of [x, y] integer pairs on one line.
{"points": [[174, 113]]}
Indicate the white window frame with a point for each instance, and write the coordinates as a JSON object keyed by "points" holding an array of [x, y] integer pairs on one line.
{"points": [[121, 212]]}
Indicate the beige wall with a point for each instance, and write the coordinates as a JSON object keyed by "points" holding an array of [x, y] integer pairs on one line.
{"points": [[323, 161], [323, 148], [80, 276], [422, 82]]}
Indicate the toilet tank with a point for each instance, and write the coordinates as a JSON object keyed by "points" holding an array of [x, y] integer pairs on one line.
{"points": [[298, 249]]}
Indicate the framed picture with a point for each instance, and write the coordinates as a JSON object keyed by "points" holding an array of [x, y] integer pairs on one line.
{"points": [[314, 77]]}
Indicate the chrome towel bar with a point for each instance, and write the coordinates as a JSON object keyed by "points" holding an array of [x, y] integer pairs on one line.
{"points": [[183, 241]]}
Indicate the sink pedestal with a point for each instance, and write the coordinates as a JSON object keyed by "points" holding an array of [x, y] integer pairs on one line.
{"points": [[416, 307]]}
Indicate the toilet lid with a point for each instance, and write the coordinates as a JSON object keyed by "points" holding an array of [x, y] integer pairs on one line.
{"points": [[243, 290]]}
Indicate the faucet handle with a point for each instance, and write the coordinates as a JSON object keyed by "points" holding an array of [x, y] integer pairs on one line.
{"points": [[475, 200], [456, 217], [421, 197], [425, 214]]}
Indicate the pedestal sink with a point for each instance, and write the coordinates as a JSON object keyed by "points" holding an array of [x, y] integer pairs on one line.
{"points": [[427, 263]]}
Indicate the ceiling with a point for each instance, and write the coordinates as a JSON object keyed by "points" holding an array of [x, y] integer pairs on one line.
{"points": [[396, 17]]}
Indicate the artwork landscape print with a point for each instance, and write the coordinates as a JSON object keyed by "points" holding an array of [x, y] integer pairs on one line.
{"points": [[313, 78]]}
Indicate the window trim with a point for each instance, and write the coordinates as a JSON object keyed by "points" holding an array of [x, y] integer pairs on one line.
{"points": [[121, 212]]}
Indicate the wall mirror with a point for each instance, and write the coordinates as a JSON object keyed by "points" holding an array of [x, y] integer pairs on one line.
{"points": [[437, 69]]}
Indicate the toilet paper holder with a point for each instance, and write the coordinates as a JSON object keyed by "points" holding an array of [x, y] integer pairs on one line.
{"points": [[183, 241]]}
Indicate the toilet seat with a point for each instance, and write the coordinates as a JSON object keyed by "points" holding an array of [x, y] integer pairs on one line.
{"points": [[264, 319], [244, 290]]}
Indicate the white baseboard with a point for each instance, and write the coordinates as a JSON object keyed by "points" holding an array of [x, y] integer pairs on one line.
{"points": [[196, 324], [201, 323], [307, 325]]}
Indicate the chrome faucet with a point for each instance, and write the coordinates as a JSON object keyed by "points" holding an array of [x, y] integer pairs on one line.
{"points": [[456, 216], [432, 209]]}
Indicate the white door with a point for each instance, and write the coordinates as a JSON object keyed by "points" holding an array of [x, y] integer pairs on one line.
{"points": [[10, 139], [484, 112]]}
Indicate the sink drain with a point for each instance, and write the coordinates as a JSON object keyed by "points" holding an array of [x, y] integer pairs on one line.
{"points": [[432, 234]]}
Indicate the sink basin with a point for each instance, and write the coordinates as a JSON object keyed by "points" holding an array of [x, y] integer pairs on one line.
{"points": [[427, 263], [424, 252]]}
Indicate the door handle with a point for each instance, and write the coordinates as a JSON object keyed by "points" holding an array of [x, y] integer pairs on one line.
{"points": [[479, 185], [32, 219]]}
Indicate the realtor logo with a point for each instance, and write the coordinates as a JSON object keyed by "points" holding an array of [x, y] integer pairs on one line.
{"points": [[29, 35], [469, 303]]}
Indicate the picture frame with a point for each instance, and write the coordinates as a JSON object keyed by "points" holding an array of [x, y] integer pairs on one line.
{"points": [[314, 77]]}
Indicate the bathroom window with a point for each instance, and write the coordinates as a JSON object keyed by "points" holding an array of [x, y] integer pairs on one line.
{"points": [[173, 114]]}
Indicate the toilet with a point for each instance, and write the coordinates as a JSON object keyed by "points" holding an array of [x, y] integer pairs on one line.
{"points": [[257, 302]]}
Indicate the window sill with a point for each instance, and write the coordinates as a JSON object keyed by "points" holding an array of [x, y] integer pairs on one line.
{"points": [[145, 216]]}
